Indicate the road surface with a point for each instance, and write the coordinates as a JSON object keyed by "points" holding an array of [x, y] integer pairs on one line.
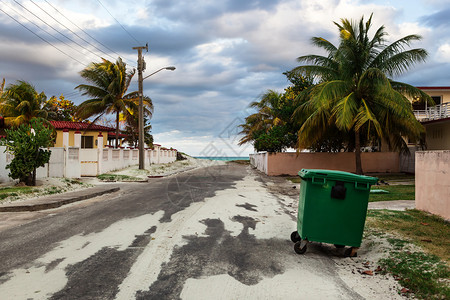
{"points": [[220, 232]]}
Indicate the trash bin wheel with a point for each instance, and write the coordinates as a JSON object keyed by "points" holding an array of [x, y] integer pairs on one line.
{"points": [[339, 246], [351, 252], [298, 249], [295, 237]]}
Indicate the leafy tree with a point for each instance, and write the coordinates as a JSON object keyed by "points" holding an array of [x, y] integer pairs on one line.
{"points": [[27, 143], [355, 92], [61, 109], [276, 139], [271, 128], [108, 92], [132, 131], [20, 102]]}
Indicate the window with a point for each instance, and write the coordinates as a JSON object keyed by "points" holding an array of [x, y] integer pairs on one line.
{"points": [[87, 142], [437, 133], [437, 100]]}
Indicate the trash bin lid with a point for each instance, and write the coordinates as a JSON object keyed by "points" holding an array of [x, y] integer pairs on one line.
{"points": [[336, 175]]}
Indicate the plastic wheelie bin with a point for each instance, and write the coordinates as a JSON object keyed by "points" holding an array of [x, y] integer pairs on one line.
{"points": [[332, 209]]}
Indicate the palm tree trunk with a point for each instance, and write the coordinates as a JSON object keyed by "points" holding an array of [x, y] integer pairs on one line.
{"points": [[359, 169], [117, 129]]}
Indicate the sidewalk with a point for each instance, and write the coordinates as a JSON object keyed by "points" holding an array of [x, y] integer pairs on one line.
{"points": [[54, 201], [393, 205]]}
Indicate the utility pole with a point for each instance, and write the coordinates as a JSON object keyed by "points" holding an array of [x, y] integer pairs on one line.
{"points": [[140, 67]]}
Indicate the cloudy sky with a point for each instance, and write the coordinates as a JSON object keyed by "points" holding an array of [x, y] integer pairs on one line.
{"points": [[226, 53]]}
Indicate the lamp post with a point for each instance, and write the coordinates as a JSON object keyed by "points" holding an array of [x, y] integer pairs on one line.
{"points": [[141, 109]]}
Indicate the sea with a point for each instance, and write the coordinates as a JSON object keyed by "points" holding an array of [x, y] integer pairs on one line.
{"points": [[224, 158]]}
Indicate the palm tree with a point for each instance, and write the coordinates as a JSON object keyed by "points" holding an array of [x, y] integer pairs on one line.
{"points": [[355, 90], [110, 82], [265, 118], [19, 103]]}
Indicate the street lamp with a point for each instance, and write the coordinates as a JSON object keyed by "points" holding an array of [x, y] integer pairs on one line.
{"points": [[141, 111], [171, 68]]}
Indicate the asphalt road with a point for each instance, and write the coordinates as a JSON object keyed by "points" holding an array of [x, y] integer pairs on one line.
{"points": [[219, 232]]}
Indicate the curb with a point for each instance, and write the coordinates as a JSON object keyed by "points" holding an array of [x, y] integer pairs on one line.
{"points": [[55, 204]]}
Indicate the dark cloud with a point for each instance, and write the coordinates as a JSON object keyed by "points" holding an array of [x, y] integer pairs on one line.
{"points": [[441, 18], [430, 74], [11, 32], [162, 41], [242, 6], [199, 11]]}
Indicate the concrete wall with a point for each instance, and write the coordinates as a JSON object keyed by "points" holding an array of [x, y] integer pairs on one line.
{"points": [[4, 160], [438, 135], [116, 159], [433, 182], [73, 162], [109, 159], [259, 161], [290, 163]]}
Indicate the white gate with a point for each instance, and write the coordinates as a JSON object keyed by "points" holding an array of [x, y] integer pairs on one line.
{"points": [[89, 162]]}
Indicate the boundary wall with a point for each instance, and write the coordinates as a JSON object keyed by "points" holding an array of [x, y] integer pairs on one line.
{"points": [[73, 162], [290, 163], [433, 182]]}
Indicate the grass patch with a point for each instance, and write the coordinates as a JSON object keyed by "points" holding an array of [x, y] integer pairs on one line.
{"points": [[396, 192], [14, 191], [426, 274], [423, 274], [117, 177], [423, 229], [53, 190], [70, 181]]}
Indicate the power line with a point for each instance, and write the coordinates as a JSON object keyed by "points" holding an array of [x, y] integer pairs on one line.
{"points": [[71, 94], [70, 29], [119, 23], [56, 29], [87, 32], [53, 36], [42, 38]]}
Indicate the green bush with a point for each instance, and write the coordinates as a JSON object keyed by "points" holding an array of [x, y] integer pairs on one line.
{"points": [[28, 147]]}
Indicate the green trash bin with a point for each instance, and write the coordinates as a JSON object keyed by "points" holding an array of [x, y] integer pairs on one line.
{"points": [[332, 209]]}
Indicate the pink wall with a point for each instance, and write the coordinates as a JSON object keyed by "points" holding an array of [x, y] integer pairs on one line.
{"points": [[290, 163], [433, 182]]}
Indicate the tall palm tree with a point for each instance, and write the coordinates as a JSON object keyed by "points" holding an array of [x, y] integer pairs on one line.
{"points": [[20, 102], [110, 82], [355, 89]]}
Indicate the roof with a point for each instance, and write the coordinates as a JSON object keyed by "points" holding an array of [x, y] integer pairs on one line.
{"points": [[434, 87], [113, 135], [79, 126]]}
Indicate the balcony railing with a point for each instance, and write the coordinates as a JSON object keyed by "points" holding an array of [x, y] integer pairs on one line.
{"points": [[434, 113]]}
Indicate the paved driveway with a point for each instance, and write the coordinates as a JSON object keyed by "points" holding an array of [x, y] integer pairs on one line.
{"points": [[220, 232]]}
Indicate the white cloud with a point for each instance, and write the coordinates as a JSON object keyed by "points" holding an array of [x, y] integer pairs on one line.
{"points": [[443, 53], [203, 145]]}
